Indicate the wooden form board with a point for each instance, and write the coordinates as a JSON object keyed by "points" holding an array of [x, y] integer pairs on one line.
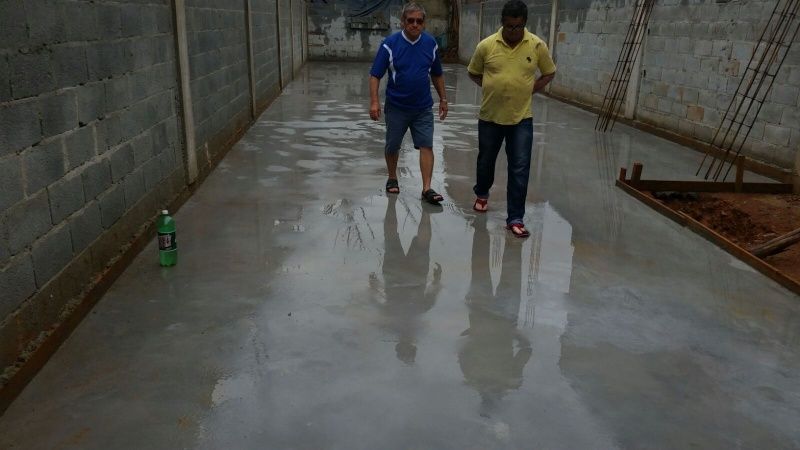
{"points": [[696, 226]]}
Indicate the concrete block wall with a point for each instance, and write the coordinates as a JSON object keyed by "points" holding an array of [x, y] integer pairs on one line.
{"points": [[331, 37], [89, 134], [539, 18], [469, 23], [587, 46], [217, 39], [92, 128], [692, 61], [265, 51], [490, 17], [297, 31], [695, 57], [286, 39]]}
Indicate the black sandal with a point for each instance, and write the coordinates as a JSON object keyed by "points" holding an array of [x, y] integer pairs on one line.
{"points": [[392, 186], [432, 197]]}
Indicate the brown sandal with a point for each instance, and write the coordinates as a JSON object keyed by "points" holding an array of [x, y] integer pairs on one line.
{"points": [[518, 230]]}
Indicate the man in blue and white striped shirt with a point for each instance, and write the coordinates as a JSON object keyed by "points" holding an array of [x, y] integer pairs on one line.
{"points": [[411, 58]]}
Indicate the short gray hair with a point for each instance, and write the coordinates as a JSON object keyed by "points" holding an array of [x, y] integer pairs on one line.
{"points": [[412, 7]]}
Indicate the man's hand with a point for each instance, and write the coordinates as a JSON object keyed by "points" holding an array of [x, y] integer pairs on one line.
{"points": [[542, 82], [374, 100], [442, 109], [375, 110]]}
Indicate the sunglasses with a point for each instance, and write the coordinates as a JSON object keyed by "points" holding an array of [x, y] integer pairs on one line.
{"points": [[412, 21]]}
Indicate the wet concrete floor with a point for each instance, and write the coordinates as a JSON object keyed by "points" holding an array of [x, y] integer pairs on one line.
{"points": [[310, 310]]}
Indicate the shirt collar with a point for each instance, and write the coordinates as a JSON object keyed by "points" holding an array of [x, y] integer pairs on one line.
{"points": [[409, 40]]}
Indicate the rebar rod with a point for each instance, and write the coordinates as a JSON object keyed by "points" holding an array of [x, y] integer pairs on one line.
{"points": [[738, 88], [618, 69], [772, 81], [617, 88], [622, 69], [634, 32], [777, 28], [772, 50], [637, 46]]}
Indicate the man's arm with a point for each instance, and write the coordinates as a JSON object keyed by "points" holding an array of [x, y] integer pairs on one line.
{"points": [[542, 82], [475, 68], [478, 79], [438, 84], [545, 65], [375, 103]]}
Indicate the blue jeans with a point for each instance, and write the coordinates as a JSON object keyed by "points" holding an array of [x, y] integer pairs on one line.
{"points": [[398, 121], [519, 142]]}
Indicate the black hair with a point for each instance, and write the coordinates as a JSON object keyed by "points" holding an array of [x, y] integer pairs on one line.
{"points": [[515, 8]]}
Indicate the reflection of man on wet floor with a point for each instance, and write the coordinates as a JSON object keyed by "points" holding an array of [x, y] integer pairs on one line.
{"points": [[405, 278], [495, 352]]}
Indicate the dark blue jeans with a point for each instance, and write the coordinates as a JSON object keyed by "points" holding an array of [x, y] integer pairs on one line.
{"points": [[519, 142]]}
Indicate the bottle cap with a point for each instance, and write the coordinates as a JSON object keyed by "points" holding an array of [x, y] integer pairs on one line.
{"points": [[165, 212]]}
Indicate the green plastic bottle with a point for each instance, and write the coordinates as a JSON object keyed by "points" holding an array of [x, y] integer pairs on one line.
{"points": [[167, 246]]}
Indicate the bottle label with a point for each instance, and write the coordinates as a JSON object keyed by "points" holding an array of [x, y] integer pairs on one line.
{"points": [[166, 241]]}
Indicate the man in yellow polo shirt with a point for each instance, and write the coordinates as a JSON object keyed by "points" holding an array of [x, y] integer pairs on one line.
{"points": [[505, 65]]}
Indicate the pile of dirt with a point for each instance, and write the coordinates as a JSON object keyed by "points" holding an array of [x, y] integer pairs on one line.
{"points": [[746, 219]]}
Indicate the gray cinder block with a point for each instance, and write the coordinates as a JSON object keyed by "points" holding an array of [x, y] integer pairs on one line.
{"points": [[152, 173], [13, 26], [45, 25], [51, 253], [109, 21], [69, 65], [66, 197], [59, 113], [5, 253], [101, 136], [112, 205], [30, 74], [5, 79], [143, 148], [17, 283], [80, 20], [96, 178], [118, 93], [134, 188], [28, 220], [777, 135], [122, 162], [20, 126], [80, 146], [105, 59], [131, 19], [160, 137], [10, 181], [85, 226], [43, 164], [91, 102]]}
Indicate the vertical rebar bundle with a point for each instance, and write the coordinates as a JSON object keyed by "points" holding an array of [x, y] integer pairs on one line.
{"points": [[618, 86], [765, 62]]}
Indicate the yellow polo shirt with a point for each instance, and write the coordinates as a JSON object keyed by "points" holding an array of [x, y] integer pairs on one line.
{"points": [[508, 76]]}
